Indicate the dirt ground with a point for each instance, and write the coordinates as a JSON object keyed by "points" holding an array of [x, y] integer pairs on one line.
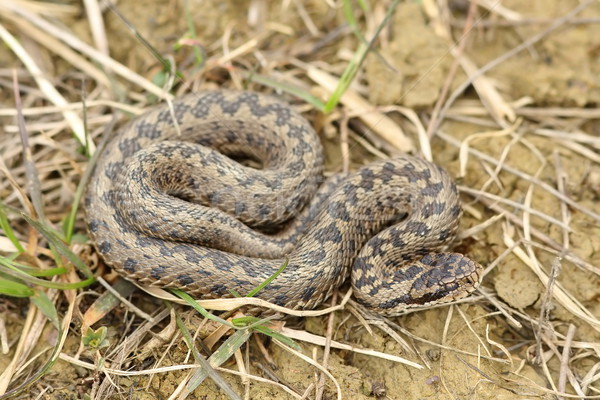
{"points": [[522, 142]]}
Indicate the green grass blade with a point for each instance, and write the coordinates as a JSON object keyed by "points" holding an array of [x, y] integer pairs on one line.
{"points": [[191, 33], [257, 325], [9, 287], [348, 10], [229, 346], [206, 367], [45, 305], [347, 77], [9, 270], [220, 356], [270, 279], [164, 62], [279, 336], [53, 238], [107, 301], [32, 271], [7, 229], [293, 90], [69, 223], [358, 58], [192, 302]]}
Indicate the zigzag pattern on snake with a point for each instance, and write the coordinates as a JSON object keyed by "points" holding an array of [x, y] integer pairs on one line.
{"points": [[187, 209]]}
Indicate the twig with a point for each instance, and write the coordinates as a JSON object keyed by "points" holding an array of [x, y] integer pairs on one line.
{"points": [[327, 348], [564, 360]]}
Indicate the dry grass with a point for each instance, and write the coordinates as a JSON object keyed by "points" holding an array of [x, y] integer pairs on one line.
{"points": [[64, 93]]}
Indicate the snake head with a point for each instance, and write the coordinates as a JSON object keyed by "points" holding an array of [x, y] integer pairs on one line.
{"points": [[445, 277], [436, 278]]}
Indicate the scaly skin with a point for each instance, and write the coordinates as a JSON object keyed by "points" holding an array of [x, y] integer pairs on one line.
{"points": [[177, 211]]}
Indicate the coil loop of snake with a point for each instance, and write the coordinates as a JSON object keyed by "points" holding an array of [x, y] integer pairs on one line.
{"points": [[185, 208]]}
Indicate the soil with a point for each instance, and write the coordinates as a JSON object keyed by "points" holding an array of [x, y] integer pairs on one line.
{"points": [[409, 68]]}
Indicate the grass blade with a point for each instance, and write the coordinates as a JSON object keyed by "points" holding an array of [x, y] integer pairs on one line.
{"points": [[357, 60], [45, 305], [206, 367], [9, 287], [7, 229], [192, 302], [270, 279], [220, 356], [293, 90], [51, 236]]}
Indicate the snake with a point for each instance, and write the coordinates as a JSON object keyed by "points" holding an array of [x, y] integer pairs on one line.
{"points": [[219, 191]]}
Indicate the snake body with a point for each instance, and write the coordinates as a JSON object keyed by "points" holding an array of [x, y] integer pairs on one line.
{"points": [[175, 202]]}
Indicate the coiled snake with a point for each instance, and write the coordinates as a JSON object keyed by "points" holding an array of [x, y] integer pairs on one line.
{"points": [[182, 206]]}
